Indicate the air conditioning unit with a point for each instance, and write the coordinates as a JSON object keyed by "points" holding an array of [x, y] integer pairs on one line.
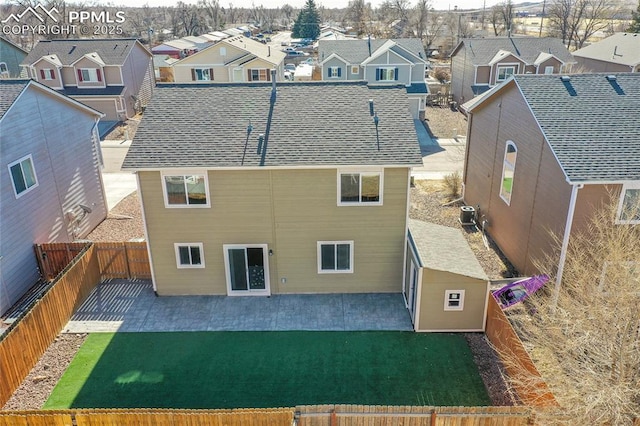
{"points": [[467, 215]]}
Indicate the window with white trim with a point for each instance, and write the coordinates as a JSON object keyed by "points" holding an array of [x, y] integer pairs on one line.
{"points": [[629, 204], [4, 70], [201, 74], [504, 72], [355, 69], [23, 175], [386, 74], [259, 74], [189, 255], [335, 72], [508, 172], [335, 257], [89, 75], [360, 188], [185, 190], [548, 69], [454, 300], [47, 74]]}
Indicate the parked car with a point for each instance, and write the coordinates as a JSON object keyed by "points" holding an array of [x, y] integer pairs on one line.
{"points": [[296, 54], [284, 43], [289, 49], [518, 291], [290, 67]]}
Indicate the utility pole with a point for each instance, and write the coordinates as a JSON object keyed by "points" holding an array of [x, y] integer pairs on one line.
{"points": [[544, 3]]}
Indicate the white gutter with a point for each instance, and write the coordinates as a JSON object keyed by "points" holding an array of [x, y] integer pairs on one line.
{"points": [[565, 240]]}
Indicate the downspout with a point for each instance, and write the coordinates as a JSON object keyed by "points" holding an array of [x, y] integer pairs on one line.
{"points": [[565, 240]]}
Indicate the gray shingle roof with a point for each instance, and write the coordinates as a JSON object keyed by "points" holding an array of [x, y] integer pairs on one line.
{"points": [[313, 124], [9, 91], [112, 51], [591, 123], [444, 249], [356, 51], [620, 48], [480, 51]]}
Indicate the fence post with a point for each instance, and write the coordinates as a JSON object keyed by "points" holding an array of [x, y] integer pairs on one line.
{"points": [[126, 258], [433, 417], [334, 417]]}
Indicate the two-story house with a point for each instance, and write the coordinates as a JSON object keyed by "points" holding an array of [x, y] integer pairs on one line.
{"points": [[50, 183], [113, 76], [617, 53], [478, 64], [11, 56], [543, 152], [235, 59], [379, 61]]}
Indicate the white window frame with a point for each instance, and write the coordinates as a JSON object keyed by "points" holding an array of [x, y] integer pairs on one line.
{"points": [[355, 69], [49, 74], [361, 172], [512, 167], [335, 244], [548, 70], [386, 70], [200, 173], [200, 247], [448, 299], [35, 175], [202, 72], [4, 73], [92, 73], [333, 72], [505, 66], [625, 188], [260, 71]]}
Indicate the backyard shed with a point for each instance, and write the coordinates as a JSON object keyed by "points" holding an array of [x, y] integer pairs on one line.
{"points": [[445, 287]]}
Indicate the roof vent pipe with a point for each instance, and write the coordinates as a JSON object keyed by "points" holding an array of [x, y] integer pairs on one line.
{"points": [[371, 107], [369, 44], [273, 86], [611, 78]]}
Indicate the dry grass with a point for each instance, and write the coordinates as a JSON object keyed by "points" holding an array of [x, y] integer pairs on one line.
{"points": [[445, 123]]}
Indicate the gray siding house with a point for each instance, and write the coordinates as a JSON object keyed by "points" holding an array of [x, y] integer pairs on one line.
{"points": [[478, 64], [51, 188], [10, 58], [113, 76], [379, 62]]}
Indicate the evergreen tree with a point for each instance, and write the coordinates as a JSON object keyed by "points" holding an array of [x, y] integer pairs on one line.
{"points": [[635, 23], [308, 23]]}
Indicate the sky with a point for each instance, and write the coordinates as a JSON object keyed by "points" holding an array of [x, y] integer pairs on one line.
{"points": [[437, 4]]}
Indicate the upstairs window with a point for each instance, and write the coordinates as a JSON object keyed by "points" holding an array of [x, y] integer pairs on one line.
{"points": [[359, 188], [505, 72], [508, 171], [386, 74], [202, 74], [548, 70], [259, 74], [355, 69], [4, 70], [23, 175], [186, 190], [629, 205], [335, 72], [47, 74], [89, 75]]}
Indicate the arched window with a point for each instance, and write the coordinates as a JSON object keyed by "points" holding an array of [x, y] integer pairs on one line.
{"points": [[508, 170]]}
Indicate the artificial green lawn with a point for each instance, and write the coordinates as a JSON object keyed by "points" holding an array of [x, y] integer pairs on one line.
{"points": [[269, 369]]}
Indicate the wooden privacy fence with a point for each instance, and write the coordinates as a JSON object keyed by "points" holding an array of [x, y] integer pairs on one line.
{"points": [[31, 335], [525, 377], [126, 260], [146, 417]]}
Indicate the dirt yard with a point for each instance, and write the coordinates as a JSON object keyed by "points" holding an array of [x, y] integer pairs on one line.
{"points": [[445, 123]]}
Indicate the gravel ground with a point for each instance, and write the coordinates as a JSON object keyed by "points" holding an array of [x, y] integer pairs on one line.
{"points": [[125, 130], [445, 123], [125, 222]]}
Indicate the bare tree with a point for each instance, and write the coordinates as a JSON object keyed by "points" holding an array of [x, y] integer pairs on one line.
{"points": [[436, 24], [574, 21], [359, 15], [496, 19], [420, 18], [587, 347], [214, 16], [287, 12]]}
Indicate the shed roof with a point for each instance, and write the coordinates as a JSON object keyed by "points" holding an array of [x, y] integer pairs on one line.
{"points": [[620, 48], [312, 124], [481, 51], [444, 249], [112, 51]]}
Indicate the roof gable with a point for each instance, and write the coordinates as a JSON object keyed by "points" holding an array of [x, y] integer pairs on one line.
{"points": [[111, 51], [481, 51], [313, 124], [357, 51]]}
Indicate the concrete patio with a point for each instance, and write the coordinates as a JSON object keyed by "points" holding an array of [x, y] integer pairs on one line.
{"points": [[131, 306]]}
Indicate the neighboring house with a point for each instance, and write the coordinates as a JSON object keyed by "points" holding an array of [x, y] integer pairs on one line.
{"points": [[379, 61], [544, 151], [479, 64], [113, 76], [162, 68], [446, 286], [235, 59], [10, 58], [51, 187], [617, 53], [176, 49]]}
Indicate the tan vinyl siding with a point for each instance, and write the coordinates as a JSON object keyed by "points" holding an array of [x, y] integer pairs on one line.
{"points": [[69, 77], [432, 315], [482, 76], [89, 64], [106, 106], [56, 83], [592, 198], [290, 210], [137, 71], [551, 62], [594, 65], [462, 76], [112, 76]]}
